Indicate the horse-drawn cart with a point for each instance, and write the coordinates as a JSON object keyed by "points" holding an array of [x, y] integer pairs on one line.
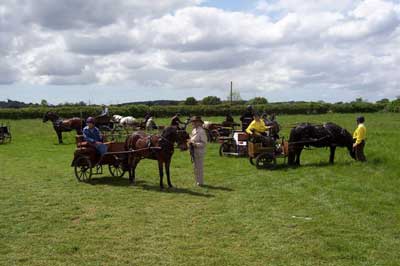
{"points": [[87, 162], [234, 145], [264, 154], [5, 133]]}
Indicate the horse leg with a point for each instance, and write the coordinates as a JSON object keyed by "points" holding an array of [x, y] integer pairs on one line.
{"points": [[59, 135], [161, 172], [298, 154], [132, 172], [332, 155], [291, 156], [167, 166]]}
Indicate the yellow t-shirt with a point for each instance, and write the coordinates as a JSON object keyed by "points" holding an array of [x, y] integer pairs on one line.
{"points": [[258, 126], [360, 133]]}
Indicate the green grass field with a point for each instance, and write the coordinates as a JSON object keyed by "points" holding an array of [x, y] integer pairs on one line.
{"points": [[318, 214]]}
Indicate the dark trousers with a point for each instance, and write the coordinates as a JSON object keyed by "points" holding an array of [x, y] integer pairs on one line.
{"points": [[359, 150]]}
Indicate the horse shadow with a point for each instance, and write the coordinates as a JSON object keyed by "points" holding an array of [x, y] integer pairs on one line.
{"points": [[319, 164], [217, 188], [122, 182]]}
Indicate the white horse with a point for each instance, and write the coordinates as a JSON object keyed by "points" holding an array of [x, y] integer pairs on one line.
{"points": [[128, 121], [150, 125], [117, 118]]}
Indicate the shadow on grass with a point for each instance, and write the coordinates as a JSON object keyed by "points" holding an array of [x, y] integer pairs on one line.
{"points": [[319, 164], [217, 188], [313, 164], [123, 182]]}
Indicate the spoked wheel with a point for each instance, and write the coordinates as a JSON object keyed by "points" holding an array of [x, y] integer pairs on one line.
{"points": [[116, 170], [266, 161], [83, 169], [226, 147]]}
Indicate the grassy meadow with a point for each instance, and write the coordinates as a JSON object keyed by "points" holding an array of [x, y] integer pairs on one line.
{"points": [[317, 214]]}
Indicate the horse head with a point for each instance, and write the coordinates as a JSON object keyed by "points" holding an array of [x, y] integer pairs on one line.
{"points": [[46, 117], [348, 141], [173, 135], [182, 139], [49, 115]]}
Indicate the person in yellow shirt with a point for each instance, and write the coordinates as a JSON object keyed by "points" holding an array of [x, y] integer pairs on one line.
{"points": [[359, 137], [257, 127], [258, 131]]}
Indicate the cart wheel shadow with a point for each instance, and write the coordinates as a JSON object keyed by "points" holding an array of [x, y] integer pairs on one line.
{"points": [[123, 182]]}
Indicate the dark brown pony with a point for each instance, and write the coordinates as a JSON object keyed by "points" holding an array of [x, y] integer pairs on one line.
{"points": [[160, 148], [275, 127], [64, 125], [326, 135]]}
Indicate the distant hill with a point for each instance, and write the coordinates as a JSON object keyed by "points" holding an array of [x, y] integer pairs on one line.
{"points": [[150, 103], [15, 104]]}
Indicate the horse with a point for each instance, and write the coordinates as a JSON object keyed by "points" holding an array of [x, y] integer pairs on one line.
{"points": [[160, 148], [64, 125], [326, 135], [274, 126], [116, 118], [150, 124]]}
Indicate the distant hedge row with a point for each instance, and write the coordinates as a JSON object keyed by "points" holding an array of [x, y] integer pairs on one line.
{"points": [[204, 110]]}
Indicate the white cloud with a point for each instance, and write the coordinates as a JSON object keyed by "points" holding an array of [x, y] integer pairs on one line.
{"points": [[290, 47]]}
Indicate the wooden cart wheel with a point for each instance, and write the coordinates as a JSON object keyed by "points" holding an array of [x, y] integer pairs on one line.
{"points": [[83, 169], [266, 161], [226, 147], [116, 171]]}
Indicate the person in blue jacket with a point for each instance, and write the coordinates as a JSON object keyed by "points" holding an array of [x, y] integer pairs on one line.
{"points": [[92, 135]]}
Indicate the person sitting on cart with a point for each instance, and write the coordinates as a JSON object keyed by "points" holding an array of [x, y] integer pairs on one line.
{"points": [[92, 135], [105, 111], [229, 122], [176, 121], [247, 117], [257, 129]]}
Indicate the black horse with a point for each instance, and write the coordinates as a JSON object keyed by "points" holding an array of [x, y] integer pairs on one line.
{"points": [[326, 135], [64, 125], [160, 148]]}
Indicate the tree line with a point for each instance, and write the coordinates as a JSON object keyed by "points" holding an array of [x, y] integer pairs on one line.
{"points": [[209, 106]]}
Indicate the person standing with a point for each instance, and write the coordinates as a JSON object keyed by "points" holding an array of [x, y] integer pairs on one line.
{"points": [[104, 111], [247, 117], [359, 137], [198, 142]]}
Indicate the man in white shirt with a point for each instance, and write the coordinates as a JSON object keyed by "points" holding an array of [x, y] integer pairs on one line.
{"points": [[198, 142]]}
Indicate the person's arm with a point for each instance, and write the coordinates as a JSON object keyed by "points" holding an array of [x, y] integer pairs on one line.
{"points": [[86, 136], [250, 129], [201, 139], [99, 138]]}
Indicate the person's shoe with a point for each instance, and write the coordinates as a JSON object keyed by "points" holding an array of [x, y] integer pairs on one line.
{"points": [[199, 184]]}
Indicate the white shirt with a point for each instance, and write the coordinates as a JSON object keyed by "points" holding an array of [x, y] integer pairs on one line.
{"points": [[199, 137]]}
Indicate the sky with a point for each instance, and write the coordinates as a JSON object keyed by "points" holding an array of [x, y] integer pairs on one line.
{"points": [[110, 52]]}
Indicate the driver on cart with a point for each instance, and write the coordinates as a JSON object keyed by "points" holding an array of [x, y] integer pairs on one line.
{"points": [[92, 135], [258, 131]]}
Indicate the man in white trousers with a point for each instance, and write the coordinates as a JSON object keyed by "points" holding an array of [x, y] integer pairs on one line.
{"points": [[198, 142]]}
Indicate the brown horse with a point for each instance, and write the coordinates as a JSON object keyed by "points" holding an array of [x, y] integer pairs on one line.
{"points": [[64, 125], [160, 148]]}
